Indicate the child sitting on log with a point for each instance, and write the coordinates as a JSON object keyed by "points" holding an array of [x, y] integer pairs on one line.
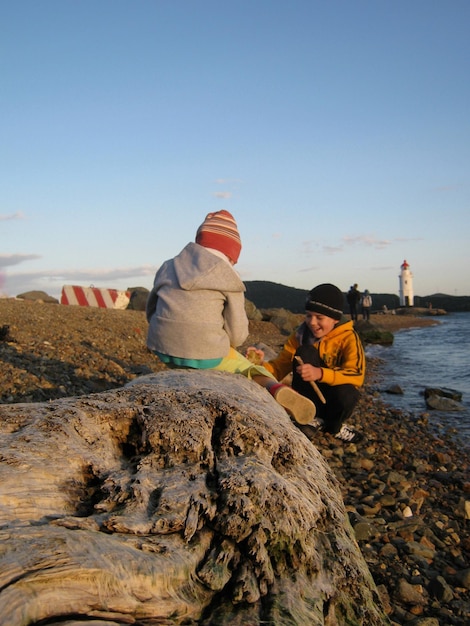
{"points": [[196, 312]]}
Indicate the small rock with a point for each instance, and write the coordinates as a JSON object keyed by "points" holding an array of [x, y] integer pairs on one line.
{"points": [[388, 550], [388, 500], [411, 594], [395, 477], [424, 552], [367, 464], [467, 509], [395, 390], [443, 404], [463, 578], [364, 531], [440, 590]]}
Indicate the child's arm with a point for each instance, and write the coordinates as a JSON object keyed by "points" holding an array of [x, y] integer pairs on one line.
{"points": [[350, 366], [282, 364]]}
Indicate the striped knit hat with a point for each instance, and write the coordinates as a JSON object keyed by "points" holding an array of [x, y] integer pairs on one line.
{"points": [[326, 299], [219, 231]]}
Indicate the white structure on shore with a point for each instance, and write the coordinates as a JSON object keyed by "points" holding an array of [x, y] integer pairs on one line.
{"points": [[406, 285]]}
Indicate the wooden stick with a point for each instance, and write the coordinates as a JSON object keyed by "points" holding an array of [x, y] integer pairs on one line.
{"points": [[312, 382]]}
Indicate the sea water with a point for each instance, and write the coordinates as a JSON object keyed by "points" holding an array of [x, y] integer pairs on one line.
{"points": [[433, 356]]}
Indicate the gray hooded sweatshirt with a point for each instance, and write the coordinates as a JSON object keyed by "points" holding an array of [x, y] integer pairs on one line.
{"points": [[196, 308]]}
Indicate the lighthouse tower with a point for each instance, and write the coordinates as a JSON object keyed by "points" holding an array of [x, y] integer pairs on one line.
{"points": [[406, 285]]}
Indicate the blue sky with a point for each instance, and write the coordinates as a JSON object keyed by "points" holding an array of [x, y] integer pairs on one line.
{"points": [[336, 132]]}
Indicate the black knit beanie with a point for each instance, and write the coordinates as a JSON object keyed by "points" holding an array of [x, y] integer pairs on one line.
{"points": [[326, 299]]}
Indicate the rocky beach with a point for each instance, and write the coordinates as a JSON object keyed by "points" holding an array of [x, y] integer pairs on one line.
{"points": [[406, 487]]}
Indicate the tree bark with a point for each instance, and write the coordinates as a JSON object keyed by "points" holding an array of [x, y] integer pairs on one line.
{"points": [[186, 497]]}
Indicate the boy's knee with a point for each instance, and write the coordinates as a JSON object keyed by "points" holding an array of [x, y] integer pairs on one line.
{"points": [[346, 396]]}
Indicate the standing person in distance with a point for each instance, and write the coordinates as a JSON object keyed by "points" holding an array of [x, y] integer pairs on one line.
{"points": [[196, 312], [353, 297], [366, 304]]}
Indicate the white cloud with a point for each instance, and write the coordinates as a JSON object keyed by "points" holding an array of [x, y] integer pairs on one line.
{"points": [[332, 249], [52, 281], [19, 215], [6, 260], [406, 239], [367, 240]]}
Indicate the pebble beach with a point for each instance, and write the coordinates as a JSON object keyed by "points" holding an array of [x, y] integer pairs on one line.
{"points": [[406, 486]]}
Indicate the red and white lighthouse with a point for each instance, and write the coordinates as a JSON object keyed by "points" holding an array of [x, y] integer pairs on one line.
{"points": [[406, 285]]}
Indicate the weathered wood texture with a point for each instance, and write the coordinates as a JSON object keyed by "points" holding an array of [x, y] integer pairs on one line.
{"points": [[183, 498]]}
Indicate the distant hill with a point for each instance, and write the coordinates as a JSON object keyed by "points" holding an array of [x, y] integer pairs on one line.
{"points": [[452, 304], [268, 295]]}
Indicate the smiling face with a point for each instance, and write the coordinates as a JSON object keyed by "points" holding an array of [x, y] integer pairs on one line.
{"points": [[319, 324]]}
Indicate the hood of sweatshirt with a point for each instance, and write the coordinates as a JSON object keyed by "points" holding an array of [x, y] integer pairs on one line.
{"points": [[197, 268]]}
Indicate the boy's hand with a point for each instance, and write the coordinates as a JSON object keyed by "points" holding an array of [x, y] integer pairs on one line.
{"points": [[310, 373], [255, 355]]}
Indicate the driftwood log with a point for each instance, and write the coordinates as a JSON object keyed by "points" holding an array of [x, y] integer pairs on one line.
{"points": [[183, 498]]}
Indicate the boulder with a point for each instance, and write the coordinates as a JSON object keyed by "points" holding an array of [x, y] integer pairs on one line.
{"points": [[37, 296], [443, 392], [252, 312], [284, 319], [441, 403], [371, 333], [186, 497], [138, 298], [443, 399]]}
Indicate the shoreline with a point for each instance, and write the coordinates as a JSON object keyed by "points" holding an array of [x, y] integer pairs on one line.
{"points": [[412, 399], [394, 323]]}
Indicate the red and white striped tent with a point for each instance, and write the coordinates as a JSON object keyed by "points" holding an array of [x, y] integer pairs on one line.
{"points": [[94, 296]]}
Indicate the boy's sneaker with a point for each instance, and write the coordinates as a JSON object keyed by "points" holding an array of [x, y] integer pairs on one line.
{"points": [[310, 430], [349, 435], [317, 423], [300, 408]]}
